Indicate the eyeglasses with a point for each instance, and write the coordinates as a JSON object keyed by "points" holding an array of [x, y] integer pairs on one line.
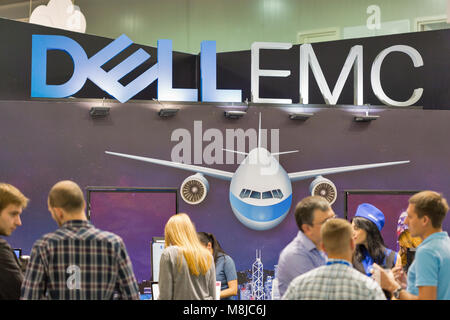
{"points": [[325, 220]]}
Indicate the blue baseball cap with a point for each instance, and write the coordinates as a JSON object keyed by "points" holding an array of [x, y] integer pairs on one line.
{"points": [[371, 213]]}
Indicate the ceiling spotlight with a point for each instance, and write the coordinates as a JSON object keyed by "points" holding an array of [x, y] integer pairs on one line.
{"points": [[99, 112], [365, 118], [300, 116], [167, 112], [234, 114]]}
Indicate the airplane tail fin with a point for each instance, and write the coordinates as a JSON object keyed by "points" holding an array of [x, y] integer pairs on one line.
{"points": [[259, 141]]}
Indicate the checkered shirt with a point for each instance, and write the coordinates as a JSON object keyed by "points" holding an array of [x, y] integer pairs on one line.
{"points": [[79, 262], [337, 280]]}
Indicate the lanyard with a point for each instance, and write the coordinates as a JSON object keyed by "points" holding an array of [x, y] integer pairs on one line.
{"points": [[329, 263]]}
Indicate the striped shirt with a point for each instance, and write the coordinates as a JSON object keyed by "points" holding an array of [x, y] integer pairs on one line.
{"points": [[337, 280], [79, 262]]}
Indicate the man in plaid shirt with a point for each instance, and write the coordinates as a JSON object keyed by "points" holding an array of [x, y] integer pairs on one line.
{"points": [[337, 280], [77, 261]]}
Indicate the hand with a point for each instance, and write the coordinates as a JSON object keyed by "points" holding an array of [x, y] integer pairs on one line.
{"points": [[400, 276], [387, 279]]}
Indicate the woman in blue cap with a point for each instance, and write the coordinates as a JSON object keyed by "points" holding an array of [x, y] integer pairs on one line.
{"points": [[370, 248]]}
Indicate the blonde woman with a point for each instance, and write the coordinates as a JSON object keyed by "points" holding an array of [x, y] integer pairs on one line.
{"points": [[187, 270]]}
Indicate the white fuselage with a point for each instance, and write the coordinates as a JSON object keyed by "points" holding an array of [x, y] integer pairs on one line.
{"points": [[260, 191]]}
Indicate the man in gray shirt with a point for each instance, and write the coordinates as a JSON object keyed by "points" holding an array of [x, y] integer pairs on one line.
{"points": [[303, 253]]}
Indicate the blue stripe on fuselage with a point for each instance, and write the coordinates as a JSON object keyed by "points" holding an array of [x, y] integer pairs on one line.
{"points": [[261, 213]]}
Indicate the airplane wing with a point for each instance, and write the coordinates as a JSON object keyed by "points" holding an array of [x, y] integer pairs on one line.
{"points": [[295, 176], [224, 175]]}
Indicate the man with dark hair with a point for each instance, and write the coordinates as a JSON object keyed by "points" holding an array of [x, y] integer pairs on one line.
{"points": [[303, 253], [77, 261], [429, 274], [12, 203], [337, 280]]}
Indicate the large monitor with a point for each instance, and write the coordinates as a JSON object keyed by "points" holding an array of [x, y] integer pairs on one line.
{"points": [[391, 202], [156, 251], [136, 215]]}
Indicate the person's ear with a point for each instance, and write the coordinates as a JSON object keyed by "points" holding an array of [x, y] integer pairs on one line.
{"points": [[59, 212], [426, 221], [209, 245], [306, 228]]}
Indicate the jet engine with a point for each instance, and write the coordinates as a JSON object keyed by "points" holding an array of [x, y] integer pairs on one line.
{"points": [[324, 188], [194, 189]]}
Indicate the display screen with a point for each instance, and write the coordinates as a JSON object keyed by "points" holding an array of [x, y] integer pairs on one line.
{"points": [[136, 215], [155, 291], [157, 250], [18, 253], [391, 203]]}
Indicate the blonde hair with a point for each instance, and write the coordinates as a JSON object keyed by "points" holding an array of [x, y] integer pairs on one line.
{"points": [[336, 235], [407, 241], [180, 231], [11, 195]]}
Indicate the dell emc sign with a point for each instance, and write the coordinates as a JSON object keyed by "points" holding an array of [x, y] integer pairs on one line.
{"points": [[91, 68]]}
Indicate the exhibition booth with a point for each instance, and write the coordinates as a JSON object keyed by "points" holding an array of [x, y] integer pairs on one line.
{"points": [[118, 117]]}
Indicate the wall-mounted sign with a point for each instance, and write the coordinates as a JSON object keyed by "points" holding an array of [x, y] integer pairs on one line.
{"points": [[91, 68]]}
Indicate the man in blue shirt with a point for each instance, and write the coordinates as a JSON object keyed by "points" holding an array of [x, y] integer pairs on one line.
{"points": [[302, 254], [429, 274]]}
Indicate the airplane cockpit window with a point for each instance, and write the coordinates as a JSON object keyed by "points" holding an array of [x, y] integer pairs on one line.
{"points": [[277, 194], [246, 193], [280, 193], [255, 195], [267, 195]]}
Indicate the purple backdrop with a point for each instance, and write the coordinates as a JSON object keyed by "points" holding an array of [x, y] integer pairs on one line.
{"points": [[44, 142], [136, 217]]}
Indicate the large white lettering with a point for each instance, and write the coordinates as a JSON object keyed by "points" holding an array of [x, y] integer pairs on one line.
{"points": [[376, 70], [308, 57], [257, 72], [85, 68]]}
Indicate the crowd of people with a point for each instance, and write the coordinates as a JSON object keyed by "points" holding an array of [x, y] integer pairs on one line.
{"points": [[329, 258]]}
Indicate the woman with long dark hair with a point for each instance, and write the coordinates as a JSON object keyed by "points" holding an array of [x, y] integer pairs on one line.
{"points": [[225, 267], [370, 247]]}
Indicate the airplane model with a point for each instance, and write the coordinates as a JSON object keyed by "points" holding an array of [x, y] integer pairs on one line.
{"points": [[260, 189]]}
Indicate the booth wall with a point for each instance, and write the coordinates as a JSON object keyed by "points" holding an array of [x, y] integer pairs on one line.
{"points": [[44, 142]]}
